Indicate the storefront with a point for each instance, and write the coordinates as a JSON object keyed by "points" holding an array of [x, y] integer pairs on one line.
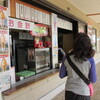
{"points": [[36, 31], [30, 40], [30, 48]]}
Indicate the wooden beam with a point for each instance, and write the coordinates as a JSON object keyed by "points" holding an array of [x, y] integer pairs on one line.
{"points": [[93, 14]]}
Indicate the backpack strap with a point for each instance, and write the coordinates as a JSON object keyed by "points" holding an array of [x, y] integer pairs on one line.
{"points": [[77, 70]]}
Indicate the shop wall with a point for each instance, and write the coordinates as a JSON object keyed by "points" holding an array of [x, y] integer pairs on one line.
{"points": [[65, 5], [36, 90], [1, 2], [40, 88]]}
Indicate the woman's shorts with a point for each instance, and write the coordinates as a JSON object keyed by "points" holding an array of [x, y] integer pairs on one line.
{"points": [[72, 96]]}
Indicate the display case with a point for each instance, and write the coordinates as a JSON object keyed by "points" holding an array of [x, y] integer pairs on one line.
{"points": [[28, 59], [42, 57]]}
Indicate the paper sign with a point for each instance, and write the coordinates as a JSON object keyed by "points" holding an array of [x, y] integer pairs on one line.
{"points": [[27, 13], [17, 10], [12, 73], [32, 14], [1, 96], [39, 17], [36, 16], [43, 18], [21, 11], [4, 80]]}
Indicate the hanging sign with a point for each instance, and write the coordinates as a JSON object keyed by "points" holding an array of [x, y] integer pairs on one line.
{"points": [[39, 30], [54, 39], [20, 24], [4, 50]]}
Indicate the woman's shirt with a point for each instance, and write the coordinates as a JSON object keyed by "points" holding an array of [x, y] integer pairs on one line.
{"points": [[74, 82]]}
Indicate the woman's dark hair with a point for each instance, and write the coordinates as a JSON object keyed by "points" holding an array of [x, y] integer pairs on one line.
{"points": [[82, 47]]}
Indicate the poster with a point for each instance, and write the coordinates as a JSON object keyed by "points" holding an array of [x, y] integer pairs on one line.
{"points": [[3, 18], [4, 43], [4, 64], [54, 39], [4, 50]]}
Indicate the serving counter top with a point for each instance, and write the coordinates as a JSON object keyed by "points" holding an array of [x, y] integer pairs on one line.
{"points": [[31, 80]]}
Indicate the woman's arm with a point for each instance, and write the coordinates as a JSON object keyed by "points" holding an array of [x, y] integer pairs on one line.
{"points": [[92, 73]]}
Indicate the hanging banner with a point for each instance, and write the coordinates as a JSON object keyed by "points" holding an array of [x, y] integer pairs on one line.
{"points": [[54, 39], [4, 50]]}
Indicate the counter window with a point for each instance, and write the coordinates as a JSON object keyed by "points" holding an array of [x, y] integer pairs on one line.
{"points": [[29, 54]]}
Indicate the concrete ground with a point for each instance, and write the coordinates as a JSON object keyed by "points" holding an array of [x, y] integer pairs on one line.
{"points": [[96, 95]]}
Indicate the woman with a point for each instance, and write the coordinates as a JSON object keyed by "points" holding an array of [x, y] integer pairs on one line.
{"points": [[82, 56]]}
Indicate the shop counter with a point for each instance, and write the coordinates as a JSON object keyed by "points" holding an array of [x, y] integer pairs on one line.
{"points": [[34, 87], [28, 81]]}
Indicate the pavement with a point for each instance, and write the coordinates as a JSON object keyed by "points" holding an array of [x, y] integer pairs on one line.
{"points": [[96, 86]]}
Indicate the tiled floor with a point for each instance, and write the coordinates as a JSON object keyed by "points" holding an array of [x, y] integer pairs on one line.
{"points": [[96, 95]]}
